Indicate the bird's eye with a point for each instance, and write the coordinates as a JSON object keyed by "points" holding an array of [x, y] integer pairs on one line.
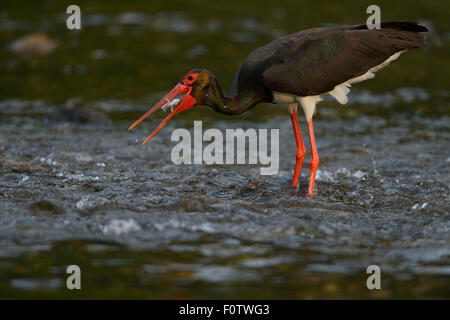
{"points": [[190, 78]]}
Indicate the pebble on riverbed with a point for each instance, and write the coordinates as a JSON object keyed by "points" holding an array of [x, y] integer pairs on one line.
{"points": [[45, 207], [74, 112], [35, 44]]}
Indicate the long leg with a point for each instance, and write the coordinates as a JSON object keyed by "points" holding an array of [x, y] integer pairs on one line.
{"points": [[300, 155], [309, 106], [314, 163]]}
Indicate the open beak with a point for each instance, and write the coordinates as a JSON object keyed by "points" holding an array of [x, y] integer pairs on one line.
{"points": [[170, 100]]}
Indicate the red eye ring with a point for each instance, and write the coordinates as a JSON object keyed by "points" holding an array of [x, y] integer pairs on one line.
{"points": [[190, 78]]}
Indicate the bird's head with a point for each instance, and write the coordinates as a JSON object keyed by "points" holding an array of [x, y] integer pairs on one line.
{"points": [[191, 91]]}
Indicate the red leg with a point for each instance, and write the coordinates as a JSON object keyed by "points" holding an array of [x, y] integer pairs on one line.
{"points": [[314, 163], [300, 155]]}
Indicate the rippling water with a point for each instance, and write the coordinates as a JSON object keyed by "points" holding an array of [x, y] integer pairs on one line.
{"points": [[77, 188]]}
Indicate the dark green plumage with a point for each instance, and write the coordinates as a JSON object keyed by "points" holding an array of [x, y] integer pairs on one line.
{"points": [[314, 61]]}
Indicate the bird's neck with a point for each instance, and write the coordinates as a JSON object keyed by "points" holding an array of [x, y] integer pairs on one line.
{"points": [[236, 104]]}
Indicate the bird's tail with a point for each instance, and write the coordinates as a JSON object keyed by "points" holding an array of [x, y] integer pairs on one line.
{"points": [[397, 25], [404, 35]]}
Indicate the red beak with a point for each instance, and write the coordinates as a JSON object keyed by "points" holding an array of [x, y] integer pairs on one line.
{"points": [[186, 102]]}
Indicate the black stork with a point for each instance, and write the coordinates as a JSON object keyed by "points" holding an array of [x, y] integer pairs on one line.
{"points": [[297, 69]]}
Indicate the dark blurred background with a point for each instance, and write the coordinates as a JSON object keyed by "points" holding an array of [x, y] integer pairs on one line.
{"points": [[126, 50]]}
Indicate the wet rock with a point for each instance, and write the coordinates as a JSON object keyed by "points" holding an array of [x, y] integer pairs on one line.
{"points": [[35, 44], [45, 207], [74, 112]]}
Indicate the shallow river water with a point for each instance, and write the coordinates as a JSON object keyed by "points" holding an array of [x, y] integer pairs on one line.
{"points": [[77, 188]]}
